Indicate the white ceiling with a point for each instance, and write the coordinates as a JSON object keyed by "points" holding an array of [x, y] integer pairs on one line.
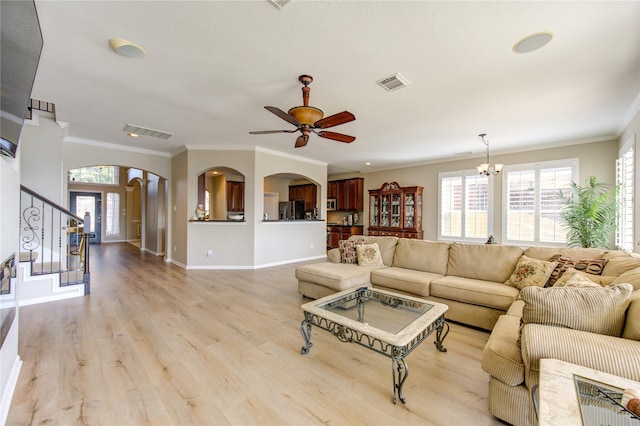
{"points": [[212, 66]]}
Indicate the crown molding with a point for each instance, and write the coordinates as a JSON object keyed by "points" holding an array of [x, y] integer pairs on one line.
{"points": [[90, 142]]}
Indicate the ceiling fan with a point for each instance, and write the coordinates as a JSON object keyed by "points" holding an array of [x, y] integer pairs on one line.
{"points": [[308, 119]]}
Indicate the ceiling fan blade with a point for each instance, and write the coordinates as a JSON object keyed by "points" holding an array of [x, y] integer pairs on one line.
{"points": [[334, 120], [336, 136], [266, 132], [302, 141], [280, 113]]}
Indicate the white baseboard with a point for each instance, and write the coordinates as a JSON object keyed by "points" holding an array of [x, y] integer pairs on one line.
{"points": [[7, 393]]}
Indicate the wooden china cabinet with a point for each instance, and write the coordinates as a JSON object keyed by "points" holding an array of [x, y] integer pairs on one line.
{"points": [[396, 211]]}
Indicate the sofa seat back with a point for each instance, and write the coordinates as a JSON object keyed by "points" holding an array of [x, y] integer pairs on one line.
{"points": [[422, 255], [387, 246], [473, 291], [485, 262]]}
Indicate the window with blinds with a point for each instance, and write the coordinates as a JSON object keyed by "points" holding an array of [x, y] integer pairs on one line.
{"points": [[532, 200], [464, 206], [625, 178]]}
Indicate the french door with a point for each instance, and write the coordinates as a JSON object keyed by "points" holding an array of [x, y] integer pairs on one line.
{"points": [[82, 202]]}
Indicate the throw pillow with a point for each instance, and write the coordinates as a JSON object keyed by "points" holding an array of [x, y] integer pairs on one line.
{"points": [[348, 252], [575, 280], [597, 310], [591, 266], [531, 271], [572, 273], [369, 255], [632, 324]]}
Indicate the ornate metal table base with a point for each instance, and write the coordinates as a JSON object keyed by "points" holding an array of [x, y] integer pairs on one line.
{"points": [[399, 367]]}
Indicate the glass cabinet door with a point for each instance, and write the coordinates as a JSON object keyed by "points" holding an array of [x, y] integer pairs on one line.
{"points": [[373, 211], [409, 211], [418, 211], [384, 210], [395, 210]]}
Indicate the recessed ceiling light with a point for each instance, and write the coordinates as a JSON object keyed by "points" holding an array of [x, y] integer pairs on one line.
{"points": [[368, 163], [533, 42], [134, 135], [126, 48]]}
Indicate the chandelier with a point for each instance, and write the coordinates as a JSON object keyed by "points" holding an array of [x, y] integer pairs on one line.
{"points": [[487, 169]]}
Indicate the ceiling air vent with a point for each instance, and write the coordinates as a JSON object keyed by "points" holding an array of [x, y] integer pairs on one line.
{"points": [[142, 131], [393, 82]]}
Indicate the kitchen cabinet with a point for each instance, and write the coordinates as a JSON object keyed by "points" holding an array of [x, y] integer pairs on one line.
{"points": [[332, 190], [349, 194], [235, 196], [396, 211], [336, 233], [306, 192]]}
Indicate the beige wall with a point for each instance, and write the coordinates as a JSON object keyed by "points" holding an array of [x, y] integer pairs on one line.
{"points": [[180, 212], [596, 158]]}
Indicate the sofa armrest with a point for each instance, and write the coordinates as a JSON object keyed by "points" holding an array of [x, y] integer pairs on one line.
{"points": [[333, 255], [613, 355]]}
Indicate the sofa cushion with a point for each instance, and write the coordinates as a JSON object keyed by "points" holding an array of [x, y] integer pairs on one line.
{"points": [[405, 280], [422, 255], [348, 252], [544, 253], [487, 262], [477, 292], [387, 246], [620, 262], [597, 310], [501, 357], [530, 271], [591, 266], [632, 320], [337, 276], [632, 277]]}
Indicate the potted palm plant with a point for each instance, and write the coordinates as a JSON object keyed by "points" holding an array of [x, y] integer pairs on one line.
{"points": [[589, 213]]}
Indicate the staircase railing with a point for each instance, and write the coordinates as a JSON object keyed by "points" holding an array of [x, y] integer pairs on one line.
{"points": [[53, 241]]}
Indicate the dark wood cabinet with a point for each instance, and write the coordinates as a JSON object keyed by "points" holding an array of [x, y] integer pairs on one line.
{"points": [[349, 194], [307, 192], [235, 196], [337, 233], [332, 190], [395, 211]]}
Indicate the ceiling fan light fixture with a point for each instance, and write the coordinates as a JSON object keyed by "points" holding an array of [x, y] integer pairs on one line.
{"points": [[306, 114]]}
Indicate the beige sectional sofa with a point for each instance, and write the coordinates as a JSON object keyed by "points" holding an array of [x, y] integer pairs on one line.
{"points": [[470, 279]]}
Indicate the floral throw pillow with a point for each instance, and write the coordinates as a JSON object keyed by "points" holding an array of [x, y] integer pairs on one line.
{"points": [[348, 252], [572, 274], [369, 255], [530, 272]]}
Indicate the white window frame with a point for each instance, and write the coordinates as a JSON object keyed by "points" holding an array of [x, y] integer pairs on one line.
{"points": [[625, 180], [115, 169], [536, 167], [463, 174]]}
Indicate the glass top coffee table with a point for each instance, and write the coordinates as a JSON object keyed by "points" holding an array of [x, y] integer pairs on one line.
{"points": [[388, 323]]}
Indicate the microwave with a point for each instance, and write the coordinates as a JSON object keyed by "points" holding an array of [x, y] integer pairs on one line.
{"points": [[331, 204]]}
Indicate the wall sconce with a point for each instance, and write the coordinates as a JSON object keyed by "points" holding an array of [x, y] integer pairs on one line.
{"points": [[487, 169]]}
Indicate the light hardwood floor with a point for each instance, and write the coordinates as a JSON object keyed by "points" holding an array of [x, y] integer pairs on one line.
{"points": [[157, 344]]}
